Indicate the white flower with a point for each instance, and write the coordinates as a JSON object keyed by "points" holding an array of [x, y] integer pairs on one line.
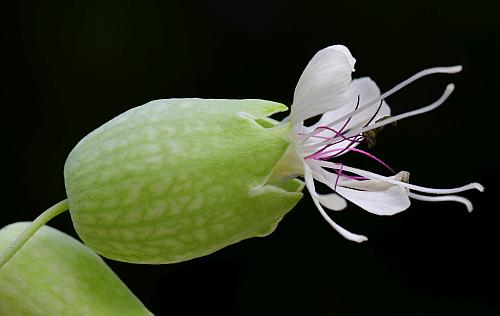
{"points": [[349, 108]]}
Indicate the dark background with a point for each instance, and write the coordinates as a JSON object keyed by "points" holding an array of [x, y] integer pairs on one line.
{"points": [[67, 67]]}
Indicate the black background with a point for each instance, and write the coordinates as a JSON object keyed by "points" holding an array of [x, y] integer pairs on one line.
{"points": [[68, 66]]}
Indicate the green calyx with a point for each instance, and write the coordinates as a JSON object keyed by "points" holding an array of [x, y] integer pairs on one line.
{"points": [[177, 179], [54, 274]]}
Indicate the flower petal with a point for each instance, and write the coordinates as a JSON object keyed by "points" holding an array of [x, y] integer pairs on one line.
{"points": [[324, 84], [367, 90], [388, 202], [332, 201], [388, 199]]}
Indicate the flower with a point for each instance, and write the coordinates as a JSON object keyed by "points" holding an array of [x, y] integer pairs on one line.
{"points": [[176, 179], [349, 110]]}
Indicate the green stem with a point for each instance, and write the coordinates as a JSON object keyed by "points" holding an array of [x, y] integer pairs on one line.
{"points": [[41, 220]]}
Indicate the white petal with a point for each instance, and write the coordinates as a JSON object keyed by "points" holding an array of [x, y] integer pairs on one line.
{"points": [[330, 179], [345, 50], [332, 201], [389, 199], [367, 90], [324, 84], [388, 202]]}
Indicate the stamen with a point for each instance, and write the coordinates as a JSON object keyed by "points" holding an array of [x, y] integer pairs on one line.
{"points": [[375, 114], [452, 198], [449, 89], [380, 161], [351, 177], [339, 173], [353, 139], [337, 133], [328, 178], [371, 175], [423, 73], [346, 148], [316, 136], [349, 119]]}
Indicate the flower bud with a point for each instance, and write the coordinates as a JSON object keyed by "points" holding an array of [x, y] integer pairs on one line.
{"points": [[54, 274], [176, 179]]}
